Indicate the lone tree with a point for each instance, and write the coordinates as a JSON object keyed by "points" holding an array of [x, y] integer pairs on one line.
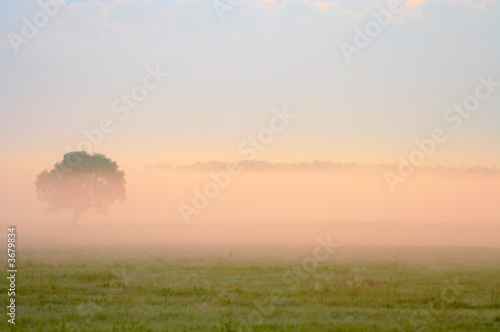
{"points": [[81, 181]]}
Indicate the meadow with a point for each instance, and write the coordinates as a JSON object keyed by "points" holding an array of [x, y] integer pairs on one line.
{"points": [[257, 288]]}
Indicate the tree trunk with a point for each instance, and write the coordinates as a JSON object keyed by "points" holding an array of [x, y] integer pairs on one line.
{"points": [[75, 218]]}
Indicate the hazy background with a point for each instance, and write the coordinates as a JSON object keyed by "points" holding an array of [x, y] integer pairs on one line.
{"points": [[225, 78]]}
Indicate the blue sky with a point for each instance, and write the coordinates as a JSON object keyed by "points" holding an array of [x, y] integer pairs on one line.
{"points": [[227, 76]]}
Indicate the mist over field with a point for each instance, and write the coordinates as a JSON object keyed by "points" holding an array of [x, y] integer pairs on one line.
{"points": [[273, 204]]}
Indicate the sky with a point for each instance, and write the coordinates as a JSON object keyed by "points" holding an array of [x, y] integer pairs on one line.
{"points": [[226, 76], [223, 70]]}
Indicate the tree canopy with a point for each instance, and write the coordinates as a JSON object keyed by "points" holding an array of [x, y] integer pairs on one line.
{"points": [[81, 181]]}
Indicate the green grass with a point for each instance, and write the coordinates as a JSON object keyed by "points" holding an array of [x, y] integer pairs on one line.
{"points": [[254, 289]]}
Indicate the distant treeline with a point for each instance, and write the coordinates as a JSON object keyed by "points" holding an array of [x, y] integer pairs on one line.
{"points": [[320, 166]]}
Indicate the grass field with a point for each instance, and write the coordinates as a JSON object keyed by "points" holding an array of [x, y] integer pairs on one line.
{"points": [[257, 289]]}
